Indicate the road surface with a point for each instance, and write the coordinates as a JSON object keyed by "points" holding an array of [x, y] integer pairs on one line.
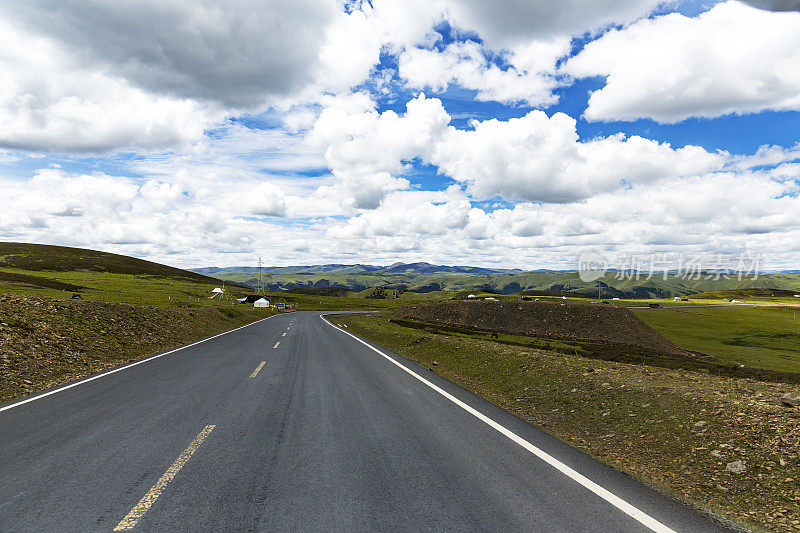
{"points": [[291, 424]]}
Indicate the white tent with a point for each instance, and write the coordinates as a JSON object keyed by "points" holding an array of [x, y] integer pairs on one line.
{"points": [[217, 290], [261, 302]]}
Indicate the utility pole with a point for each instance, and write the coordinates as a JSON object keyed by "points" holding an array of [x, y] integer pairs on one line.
{"points": [[260, 277]]}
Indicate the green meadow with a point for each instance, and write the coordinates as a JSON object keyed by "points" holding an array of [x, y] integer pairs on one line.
{"points": [[757, 336]]}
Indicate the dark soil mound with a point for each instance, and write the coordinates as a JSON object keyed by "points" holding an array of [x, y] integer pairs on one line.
{"points": [[567, 321]]}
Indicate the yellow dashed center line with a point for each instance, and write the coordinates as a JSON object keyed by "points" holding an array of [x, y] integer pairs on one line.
{"points": [[283, 335], [147, 501], [258, 369], [276, 344]]}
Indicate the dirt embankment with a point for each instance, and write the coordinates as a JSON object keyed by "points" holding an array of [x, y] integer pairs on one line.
{"points": [[567, 321], [47, 341]]}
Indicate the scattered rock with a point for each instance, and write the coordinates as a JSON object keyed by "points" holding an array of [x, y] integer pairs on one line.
{"points": [[716, 453], [700, 424], [791, 399], [737, 467]]}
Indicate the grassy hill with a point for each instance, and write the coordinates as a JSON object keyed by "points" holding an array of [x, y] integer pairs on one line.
{"points": [[59, 272], [44, 257]]}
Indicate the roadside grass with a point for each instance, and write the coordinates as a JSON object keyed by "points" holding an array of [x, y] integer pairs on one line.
{"points": [[674, 429], [45, 342], [755, 336]]}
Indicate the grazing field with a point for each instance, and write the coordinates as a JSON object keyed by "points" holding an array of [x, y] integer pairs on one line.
{"points": [[754, 336], [675, 429]]}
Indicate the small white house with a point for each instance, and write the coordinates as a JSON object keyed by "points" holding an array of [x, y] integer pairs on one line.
{"points": [[261, 302]]}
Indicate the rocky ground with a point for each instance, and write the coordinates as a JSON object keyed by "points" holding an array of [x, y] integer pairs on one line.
{"points": [[48, 341]]}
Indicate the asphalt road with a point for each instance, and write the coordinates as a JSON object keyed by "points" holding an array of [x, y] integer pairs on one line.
{"points": [[326, 434]]}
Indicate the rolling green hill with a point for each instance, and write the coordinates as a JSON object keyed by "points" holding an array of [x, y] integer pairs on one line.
{"points": [[429, 278], [44, 257], [59, 271]]}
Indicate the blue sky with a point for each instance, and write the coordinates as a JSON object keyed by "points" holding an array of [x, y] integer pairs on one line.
{"points": [[545, 129]]}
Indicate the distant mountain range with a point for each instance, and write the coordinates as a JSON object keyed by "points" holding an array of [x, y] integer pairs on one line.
{"points": [[395, 268], [427, 277]]}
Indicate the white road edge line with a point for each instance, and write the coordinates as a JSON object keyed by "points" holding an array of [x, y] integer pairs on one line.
{"points": [[129, 365], [587, 483]]}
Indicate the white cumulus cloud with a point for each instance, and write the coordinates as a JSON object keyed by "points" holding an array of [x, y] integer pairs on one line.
{"points": [[536, 157], [466, 65], [51, 103], [730, 59]]}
